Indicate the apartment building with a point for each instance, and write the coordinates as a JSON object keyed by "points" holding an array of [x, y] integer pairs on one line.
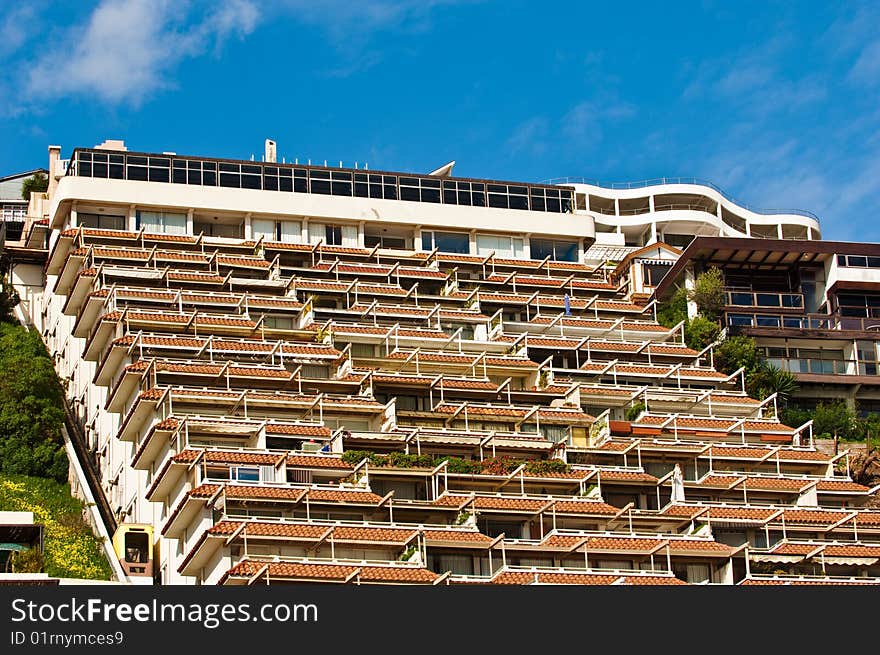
{"points": [[13, 206], [813, 307], [289, 373]]}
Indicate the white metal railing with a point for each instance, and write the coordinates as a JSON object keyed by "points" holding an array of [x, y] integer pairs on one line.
{"points": [[660, 181]]}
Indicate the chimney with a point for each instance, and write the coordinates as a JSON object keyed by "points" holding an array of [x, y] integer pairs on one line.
{"points": [[270, 152], [54, 159]]}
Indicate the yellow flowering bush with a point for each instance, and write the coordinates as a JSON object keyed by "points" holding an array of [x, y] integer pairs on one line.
{"points": [[71, 550]]}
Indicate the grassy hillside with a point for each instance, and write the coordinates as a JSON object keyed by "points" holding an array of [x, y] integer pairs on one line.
{"points": [[71, 550]]}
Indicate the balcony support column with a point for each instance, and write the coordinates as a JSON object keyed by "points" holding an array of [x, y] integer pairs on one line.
{"points": [[132, 219], [248, 227], [689, 283]]}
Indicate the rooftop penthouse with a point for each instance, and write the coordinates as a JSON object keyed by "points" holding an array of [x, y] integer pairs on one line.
{"points": [[284, 373]]}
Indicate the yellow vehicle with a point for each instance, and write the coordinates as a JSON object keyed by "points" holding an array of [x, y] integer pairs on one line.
{"points": [[133, 544]]}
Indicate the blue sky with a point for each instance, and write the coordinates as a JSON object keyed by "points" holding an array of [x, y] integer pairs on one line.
{"points": [[777, 103]]}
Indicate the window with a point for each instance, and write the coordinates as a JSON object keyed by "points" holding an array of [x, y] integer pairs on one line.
{"points": [[363, 350], [350, 236], [385, 241], [315, 372], [464, 193], [192, 171], [14, 212], [564, 251], [551, 200], [766, 321], [161, 222], [277, 179], [136, 168], [14, 230], [652, 274], [739, 319], [419, 189], [316, 232], [333, 235], [278, 323], [159, 169], [508, 196], [101, 221], [214, 229], [264, 229], [454, 242], [457, 564], [272, 176], [230, 175], [290, 231], [151, 169], [319, 182], [502, 246], [368, 185], [555, 433], [245, 473], [340, 183], [100, 164], [857, 304], [858, 261], [407, 403]]}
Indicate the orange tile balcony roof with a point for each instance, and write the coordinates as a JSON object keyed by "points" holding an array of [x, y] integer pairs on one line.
{"points": [[332, 572]]}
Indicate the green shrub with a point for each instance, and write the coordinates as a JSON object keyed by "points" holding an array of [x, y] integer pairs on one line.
{"points": [[828, 419], [836, 418], [736, 352], [459, 465], [543, 466], [635, 411], [9, 299], [700, 332], [708, 292], [673, 311], [355, 457], [767, 379], [31, 407], [795, 417], [490, 466], [28, 561]]}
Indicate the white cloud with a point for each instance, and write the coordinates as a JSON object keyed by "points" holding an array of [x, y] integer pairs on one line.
{"points": [[744, 79], [127, 48], [580, 128], [779, 141], [585, 119], [529, 136], [852, 38], [348, 19], [351, 26], [16, 27], [866, 69]]}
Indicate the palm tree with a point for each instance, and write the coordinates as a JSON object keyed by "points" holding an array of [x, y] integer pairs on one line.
{"points": [[36, 182], [768, 379]]}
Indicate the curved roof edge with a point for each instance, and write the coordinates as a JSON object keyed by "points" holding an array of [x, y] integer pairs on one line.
{"points": [[667, 181]]}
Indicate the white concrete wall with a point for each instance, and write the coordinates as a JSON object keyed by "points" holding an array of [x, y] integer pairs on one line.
{"points": [[702, 223], [287, 204]]}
